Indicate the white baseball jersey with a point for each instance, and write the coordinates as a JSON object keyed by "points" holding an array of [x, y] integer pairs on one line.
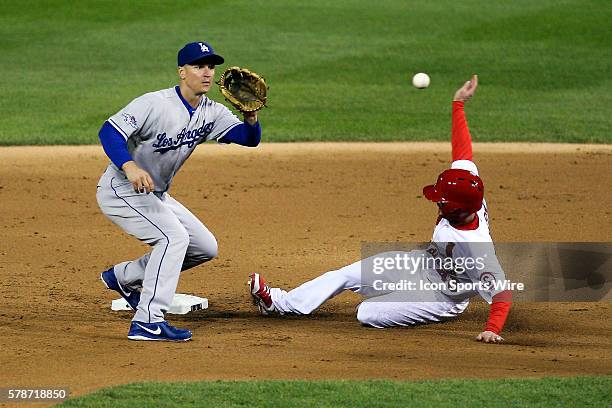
{"points": [[465, 244], [161, 132]]}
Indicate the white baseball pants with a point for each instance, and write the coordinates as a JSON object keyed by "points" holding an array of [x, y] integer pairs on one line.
{"points": [[380, 309]]}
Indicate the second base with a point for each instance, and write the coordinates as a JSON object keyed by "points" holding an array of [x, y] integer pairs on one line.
{"points": [[181, 304]]}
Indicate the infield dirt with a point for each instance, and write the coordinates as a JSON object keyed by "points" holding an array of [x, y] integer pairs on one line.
{"points": [[291, 212]]}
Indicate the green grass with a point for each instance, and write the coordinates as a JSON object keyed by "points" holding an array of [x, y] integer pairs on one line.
{"points": [[337, 70], [547, 392]]}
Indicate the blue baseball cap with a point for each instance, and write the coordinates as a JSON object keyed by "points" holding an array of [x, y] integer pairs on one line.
{"points": [[197, 51]]}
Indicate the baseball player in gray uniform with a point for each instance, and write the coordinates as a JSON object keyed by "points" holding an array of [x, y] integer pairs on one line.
{"points": [[147, 142]]}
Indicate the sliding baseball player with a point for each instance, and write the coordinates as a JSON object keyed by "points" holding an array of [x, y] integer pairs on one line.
{"points": [[441, 286]]}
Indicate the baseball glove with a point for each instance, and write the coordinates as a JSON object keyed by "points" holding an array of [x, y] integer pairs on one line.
{"points": [[244, 89]]}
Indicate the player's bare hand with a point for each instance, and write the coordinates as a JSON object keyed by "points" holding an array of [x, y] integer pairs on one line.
{"points": [[489, 337], [467, 90], [250, 117], [140, 179]]}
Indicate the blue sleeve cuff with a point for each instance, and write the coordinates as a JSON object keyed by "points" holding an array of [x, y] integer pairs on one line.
{"points": [[114, 144], [244, 135]]}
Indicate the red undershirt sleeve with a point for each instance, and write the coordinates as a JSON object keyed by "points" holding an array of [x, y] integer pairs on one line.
{"points": [[499, 312], [460, 139]]}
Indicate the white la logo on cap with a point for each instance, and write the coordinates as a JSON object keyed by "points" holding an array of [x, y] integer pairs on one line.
{"points": [[203, 47]]}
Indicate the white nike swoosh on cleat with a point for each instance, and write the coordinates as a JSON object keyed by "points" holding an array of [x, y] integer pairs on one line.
{"points": [[123, 291], [155, 332]]}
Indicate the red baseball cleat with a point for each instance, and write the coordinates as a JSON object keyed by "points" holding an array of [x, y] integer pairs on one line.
{"points": [[260, 291]]}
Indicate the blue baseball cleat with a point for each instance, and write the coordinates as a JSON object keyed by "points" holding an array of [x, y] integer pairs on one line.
{"points": [[161, 331], [110, 280]]}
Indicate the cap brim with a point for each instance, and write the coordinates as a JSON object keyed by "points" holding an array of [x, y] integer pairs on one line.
{"points": [[432, 194], [210, 59]]}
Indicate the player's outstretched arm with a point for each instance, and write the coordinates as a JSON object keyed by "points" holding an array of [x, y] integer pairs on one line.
{"points": [[498, 313], [461, 139]]}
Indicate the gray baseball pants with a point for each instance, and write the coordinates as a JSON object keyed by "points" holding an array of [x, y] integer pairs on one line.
{"points": [[178, 239]]}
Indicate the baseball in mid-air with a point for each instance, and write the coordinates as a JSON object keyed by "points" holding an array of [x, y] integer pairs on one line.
{"points": [[420, 80]]}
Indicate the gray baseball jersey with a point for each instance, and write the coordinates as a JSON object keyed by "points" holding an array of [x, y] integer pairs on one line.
{"points": [[161, 132]]}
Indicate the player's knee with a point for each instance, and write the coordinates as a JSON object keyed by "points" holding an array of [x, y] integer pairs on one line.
{"points": [[212, 249], [367, 315], [204, 253], [204, 245], [208, 248], [363, 313]]}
